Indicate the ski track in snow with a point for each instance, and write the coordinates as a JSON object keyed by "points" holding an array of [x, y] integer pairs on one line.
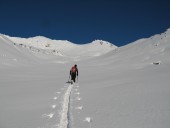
{"points": [[64, 120], [63, 116], [63, 98]]}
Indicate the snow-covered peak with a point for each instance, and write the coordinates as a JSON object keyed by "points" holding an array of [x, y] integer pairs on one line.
{"points": [[101, 42], [39, 39]]}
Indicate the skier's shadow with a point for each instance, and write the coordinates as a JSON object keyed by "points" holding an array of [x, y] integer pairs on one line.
{"points": [[69, 82]]}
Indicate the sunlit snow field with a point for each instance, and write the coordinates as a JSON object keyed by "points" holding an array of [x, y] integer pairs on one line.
{"points": [[117, 87]]}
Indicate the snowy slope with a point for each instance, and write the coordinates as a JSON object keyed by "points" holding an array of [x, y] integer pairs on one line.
{"points": [[126, 87], [10, 54], [130, 87]]}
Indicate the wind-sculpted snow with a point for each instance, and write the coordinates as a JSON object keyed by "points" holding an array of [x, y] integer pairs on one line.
{"points": [[126, 87]]}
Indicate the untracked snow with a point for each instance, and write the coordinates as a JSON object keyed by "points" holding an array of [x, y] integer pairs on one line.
{"points": [[117, 87]]}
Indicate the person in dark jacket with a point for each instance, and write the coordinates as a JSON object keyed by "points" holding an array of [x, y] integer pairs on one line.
{"points": [[74, 73]]}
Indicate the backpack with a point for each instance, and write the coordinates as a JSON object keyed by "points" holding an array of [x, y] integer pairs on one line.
{"points": [[73, 70]]}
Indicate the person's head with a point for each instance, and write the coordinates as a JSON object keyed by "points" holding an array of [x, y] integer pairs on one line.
{"points": [[75, 65]]}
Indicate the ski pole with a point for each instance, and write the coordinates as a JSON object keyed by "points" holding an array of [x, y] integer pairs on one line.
{"points": [[77, 79]]}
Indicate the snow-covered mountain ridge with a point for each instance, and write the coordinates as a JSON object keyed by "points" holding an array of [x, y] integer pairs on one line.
{"points": [[65, 47], [61, 51]]}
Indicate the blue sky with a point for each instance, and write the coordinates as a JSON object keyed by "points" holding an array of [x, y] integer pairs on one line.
{"points": [[82, 21]]}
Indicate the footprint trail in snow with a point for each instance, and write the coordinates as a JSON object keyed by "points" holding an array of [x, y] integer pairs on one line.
{"points": [[59, 114]]}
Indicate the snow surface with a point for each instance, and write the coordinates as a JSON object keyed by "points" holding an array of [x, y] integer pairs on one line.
{"points": [[125, 87]]}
